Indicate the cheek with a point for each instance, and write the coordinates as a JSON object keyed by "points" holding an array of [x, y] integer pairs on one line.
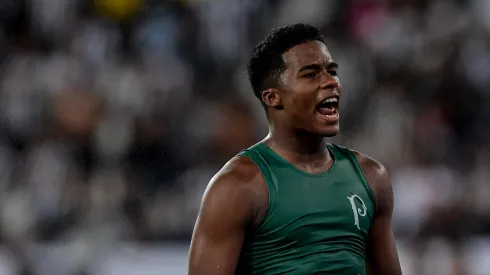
{"points": [[298, 99], [295, 102], [300, 108]]}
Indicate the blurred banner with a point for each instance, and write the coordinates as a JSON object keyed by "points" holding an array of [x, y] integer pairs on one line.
{"points": [[119, 9]]}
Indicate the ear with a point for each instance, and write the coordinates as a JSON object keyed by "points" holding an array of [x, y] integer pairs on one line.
{"points": [[271, 98]]}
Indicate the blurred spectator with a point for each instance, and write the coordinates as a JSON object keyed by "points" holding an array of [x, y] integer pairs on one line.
{"points": [[116, 114]]}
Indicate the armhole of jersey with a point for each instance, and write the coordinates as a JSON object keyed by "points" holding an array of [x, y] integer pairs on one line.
{"points": [[365, 183], [269, 179]]}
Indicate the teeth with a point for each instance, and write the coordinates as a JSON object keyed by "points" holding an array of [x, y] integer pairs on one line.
{"points": [[331, 99]]}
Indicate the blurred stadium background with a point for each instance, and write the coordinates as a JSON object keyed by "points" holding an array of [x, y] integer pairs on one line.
{"points": [[114, 115]]}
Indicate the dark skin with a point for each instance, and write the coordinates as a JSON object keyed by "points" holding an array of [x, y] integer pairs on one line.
{"points": [[237, 197]]}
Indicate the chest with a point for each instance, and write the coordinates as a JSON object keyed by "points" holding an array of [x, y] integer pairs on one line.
{"points": [[319, 209]]}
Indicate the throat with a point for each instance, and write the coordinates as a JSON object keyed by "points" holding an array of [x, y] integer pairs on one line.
{"points": [[316, 166], [301, 144], [309, 154]]}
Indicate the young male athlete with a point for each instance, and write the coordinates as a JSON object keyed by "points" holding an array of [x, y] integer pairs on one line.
{"points": [[293, 203]]}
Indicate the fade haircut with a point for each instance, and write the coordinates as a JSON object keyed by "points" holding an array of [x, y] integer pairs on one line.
{"points": [[266, 63]]}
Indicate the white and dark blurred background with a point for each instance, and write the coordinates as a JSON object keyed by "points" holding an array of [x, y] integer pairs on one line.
{"points": [[114, 115]]}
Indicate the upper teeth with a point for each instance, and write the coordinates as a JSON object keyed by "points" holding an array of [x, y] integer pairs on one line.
{"points": [[331, 99]]}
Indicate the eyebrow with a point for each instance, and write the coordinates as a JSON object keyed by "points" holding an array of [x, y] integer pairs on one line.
{"points": [[331, 65]]}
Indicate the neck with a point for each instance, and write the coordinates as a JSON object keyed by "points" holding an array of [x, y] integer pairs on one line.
{"points": [[298, 147]]}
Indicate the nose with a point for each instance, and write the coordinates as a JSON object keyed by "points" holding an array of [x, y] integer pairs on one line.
{"points": [[329, 81]]}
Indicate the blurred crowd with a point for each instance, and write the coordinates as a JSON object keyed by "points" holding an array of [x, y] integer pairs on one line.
{"points": [[115, 114]]}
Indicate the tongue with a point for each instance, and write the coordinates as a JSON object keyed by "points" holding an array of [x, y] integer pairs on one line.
{"points": [[326, 111]]}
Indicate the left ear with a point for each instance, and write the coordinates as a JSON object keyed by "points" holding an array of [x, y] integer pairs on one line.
{"points": [[271, 98]]}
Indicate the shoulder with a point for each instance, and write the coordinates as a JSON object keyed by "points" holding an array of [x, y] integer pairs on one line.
{"points": [[377, 178], [237, 174], [234, 190], [372, 169]]}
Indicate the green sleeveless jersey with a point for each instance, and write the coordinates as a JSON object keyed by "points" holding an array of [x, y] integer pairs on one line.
{"points": [[316, 223]]}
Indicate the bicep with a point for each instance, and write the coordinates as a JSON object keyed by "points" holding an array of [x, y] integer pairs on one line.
{"points": [[219, 231], [383, 257], [382, 247], [211, 253]]}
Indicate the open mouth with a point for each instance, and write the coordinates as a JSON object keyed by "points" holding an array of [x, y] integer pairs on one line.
{"points": [[328, 107]]}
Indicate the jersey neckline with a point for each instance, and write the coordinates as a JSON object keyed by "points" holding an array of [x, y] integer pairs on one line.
{"points": [[278, 157]]}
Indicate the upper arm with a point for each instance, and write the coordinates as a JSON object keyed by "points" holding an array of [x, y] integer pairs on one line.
{"points": [[383, 257], [227, 209]]}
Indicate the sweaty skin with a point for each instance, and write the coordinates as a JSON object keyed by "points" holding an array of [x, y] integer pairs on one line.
{"points": [[230, 205], [236, 199], [383, 257]]}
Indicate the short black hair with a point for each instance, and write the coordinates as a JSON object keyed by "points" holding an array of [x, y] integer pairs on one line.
{"points": [[266, 64]]}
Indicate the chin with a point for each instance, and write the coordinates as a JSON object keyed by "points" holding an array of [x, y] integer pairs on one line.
{"points": [[330, 134]]}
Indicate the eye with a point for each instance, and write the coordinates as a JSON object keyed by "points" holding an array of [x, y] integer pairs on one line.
{"points": [[333, 73], [310, 75]]}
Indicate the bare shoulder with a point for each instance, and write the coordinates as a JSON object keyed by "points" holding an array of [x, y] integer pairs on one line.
{"points": [[227, 210], [234, 191], [372, 169], [378, 179], [238, 174]]}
